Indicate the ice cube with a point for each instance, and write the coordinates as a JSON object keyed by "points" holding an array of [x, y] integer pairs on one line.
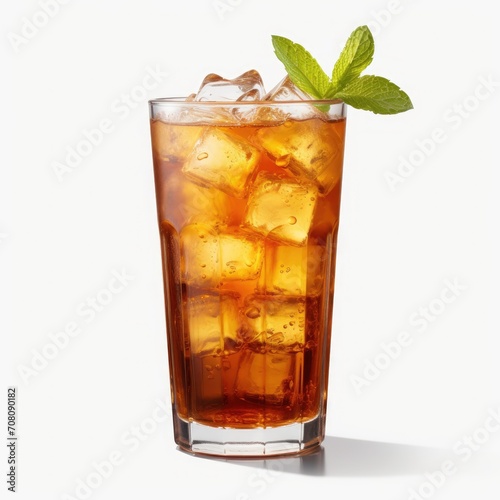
{"points": [[200, 264], [277, 321], [241, 256], [210, 257], [251, 95], [312, 149], [317, 256], [247, 86], [211, 323], [286, 90], [281, 208], [273, 378], [184, 202], [223, 160], [284, 330], [293, 270], [173, 143]]}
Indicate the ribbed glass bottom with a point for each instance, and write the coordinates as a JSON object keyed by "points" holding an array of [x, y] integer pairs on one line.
{"points": [[293, 439]]}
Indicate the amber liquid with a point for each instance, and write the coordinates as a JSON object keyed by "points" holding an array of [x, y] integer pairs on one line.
{"points": [[248, 261]]}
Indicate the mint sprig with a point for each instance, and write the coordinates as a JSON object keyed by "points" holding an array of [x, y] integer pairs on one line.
{"points": [[371, 93], [356, 56], [302, 67], [375, 93]]}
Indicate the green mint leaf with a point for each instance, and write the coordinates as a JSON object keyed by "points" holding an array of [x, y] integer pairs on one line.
{"points": [[376, 94], [302, 68], [354, 58], [372, 93]]}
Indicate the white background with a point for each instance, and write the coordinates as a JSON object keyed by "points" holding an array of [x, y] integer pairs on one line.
{"points": [[61, 239]]}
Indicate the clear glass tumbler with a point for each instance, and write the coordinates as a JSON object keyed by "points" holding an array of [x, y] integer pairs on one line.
{"points": [[248, 198]]}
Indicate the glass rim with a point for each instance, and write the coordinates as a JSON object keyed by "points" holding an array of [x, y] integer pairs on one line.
{"points": [[182, 101]]}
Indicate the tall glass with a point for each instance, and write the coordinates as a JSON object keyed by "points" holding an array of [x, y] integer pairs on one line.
{"points": [[248, 198]]}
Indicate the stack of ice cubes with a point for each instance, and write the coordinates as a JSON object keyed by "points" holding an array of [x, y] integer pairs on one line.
{"points": [[218, 174]]}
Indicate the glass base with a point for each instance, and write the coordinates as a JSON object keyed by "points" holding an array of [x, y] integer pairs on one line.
{"points": [[294, 439]]}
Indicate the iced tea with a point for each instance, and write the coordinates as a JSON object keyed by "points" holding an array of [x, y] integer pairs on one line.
{"points": [[248, 212]]}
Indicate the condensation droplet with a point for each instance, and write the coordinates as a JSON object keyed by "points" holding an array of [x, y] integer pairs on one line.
{"points": [[292, 220], [202, 156]]}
